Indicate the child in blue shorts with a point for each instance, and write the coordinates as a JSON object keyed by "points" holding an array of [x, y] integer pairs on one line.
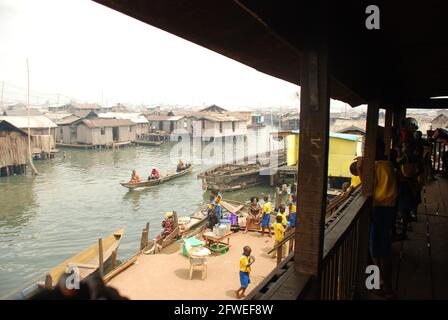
{"points": [[246, 261], [266, 220]]}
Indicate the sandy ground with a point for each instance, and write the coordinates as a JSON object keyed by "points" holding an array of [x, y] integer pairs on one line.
{"points": [[165, 276]]}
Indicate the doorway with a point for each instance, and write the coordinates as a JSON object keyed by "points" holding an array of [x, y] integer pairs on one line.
{"points": [[115, 135]]}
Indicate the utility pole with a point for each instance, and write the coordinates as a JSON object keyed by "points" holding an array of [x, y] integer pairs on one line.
{"points": [[30, 156]]}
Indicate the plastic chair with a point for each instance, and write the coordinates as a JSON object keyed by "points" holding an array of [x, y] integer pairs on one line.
{"points": [[196, 261]]}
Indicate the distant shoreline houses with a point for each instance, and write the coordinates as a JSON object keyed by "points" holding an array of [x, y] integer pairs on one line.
{"points": [[90, 125]]}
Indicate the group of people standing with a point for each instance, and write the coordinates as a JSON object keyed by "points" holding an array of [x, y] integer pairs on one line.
{"points": [[398, 182], [261, 215]]}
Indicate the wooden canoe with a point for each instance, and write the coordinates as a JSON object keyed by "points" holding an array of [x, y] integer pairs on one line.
{"points": [[150, 183], [87, 260], [187, 230], [149, 143]]}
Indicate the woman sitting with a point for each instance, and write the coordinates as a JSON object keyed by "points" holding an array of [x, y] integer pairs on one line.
{"points": [[180, 166], [155, 174], [167, 225], [135, 177], [253, 216]]}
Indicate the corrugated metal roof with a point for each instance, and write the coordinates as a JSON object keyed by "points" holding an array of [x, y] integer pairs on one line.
{"points": [[218, 117], [35, 122], [22, 112], [134, 117], [57, 115], [164, 118], [97, 123], [67, 120]]}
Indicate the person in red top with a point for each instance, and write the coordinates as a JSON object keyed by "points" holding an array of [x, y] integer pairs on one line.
{"points": [[155, 174]]}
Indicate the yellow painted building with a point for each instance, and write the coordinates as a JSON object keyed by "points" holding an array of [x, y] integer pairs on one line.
{"points": [[342, 150]]}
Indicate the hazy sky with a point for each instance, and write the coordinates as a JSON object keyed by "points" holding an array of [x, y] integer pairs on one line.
{"points": [[81, 49]]}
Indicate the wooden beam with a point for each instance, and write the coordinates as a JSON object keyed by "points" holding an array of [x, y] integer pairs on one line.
{"points": [[388, 131], [313, 164], [101, 256], [113, 259], [368, 170]]}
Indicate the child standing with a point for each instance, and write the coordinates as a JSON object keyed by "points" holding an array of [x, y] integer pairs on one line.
{"points": [[282, 213], [292, 212], [266, 220], [279, 235], [246, 261]]}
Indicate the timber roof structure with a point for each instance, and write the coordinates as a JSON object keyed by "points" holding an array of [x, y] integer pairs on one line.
{"points": [[399, 64]]}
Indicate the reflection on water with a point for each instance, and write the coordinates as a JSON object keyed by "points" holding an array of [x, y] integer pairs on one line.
{"points": [[76, 199]]}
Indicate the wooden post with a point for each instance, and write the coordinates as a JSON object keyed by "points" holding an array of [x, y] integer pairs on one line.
{"points": [[48, 281], [146, 234], [388, 131], [279, 254], [100, 255], [114, 259], [368, 173], [144, 239], [313, 164]]}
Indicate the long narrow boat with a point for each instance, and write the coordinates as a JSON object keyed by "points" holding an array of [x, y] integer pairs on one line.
{"points": [[150, 183], [184, 227], [88, 260]]}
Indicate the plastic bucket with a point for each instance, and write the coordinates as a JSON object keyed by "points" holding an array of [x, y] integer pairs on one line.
{"points": [[218, 249]]}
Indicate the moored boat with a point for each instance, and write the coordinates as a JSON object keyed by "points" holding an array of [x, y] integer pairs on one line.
{"points": [[246, 173], [87, 261], [162, 179], [152, 138]]}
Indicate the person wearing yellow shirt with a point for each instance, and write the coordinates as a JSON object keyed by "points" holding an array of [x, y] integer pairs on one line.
{"points": [[135, 178], [282, 213], [279, 235], [246, 261], [266, 216], [384, 207], [292, 212]]}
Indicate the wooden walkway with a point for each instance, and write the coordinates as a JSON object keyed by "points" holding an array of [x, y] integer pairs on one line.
{"points": [[165, 276], [421, 263]]}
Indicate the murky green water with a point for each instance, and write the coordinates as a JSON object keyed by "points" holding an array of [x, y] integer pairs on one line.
{"points": [[77, 199]]}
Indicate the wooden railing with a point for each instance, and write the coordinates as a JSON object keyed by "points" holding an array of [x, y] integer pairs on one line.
{"points": [[344, 256], [336, 206], [345, 251], [287, 243], [437, 150]]}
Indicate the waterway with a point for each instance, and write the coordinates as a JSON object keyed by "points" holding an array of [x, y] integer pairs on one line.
{"points": [[77, 198]]}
